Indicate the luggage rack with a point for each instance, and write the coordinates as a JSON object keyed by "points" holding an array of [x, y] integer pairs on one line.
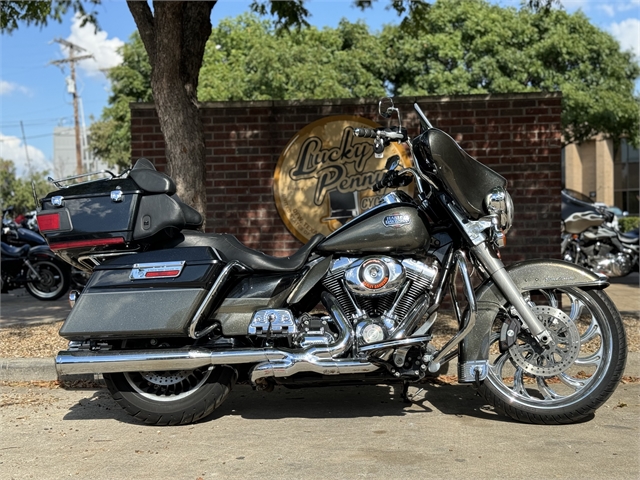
{"points": [[108, 175]]}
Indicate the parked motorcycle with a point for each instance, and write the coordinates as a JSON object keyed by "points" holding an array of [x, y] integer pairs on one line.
{"points": [[590, 237], [36, 269], [16, 235], [173, 317]]}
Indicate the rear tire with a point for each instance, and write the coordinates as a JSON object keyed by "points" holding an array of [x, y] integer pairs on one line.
{"points": [[566, 384], [54, 280], [172, 397]]}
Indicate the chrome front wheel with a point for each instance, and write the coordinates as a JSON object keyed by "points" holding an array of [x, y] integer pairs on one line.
{"points": [[567, 381]]}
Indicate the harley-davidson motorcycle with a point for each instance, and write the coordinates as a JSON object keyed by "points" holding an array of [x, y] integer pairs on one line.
{"points": [[173, 317], [592, 240]]}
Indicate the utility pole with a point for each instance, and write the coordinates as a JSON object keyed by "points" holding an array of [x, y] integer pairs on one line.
{"points": [[71, 60], [26, 149]]}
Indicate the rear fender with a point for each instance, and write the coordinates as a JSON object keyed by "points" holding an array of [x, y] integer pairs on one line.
{"points": [[528, 275], [42, 252]]}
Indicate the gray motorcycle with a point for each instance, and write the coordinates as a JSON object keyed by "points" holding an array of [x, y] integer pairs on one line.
{"points": [[590, 237], [173, 317]]}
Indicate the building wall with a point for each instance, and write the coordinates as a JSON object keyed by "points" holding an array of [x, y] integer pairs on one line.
{"points": [[517, 135], [589, 169]]}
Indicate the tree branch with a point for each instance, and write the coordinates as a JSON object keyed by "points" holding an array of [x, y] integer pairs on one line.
{"points": [[146, 26], [196, 30]]}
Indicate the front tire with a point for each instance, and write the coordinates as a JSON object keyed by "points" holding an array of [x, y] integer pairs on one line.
{"points": [[171, 397], [567, 384]]}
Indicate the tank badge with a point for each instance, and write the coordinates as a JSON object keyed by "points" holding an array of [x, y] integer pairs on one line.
{"points": [[397, 220]]}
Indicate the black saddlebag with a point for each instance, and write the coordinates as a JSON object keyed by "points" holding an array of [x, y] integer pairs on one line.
{"points": [[151, 294]]}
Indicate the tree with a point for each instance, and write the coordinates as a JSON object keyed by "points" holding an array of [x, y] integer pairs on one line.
{"points": [[18, 192], [246, 59], [471, 47]]}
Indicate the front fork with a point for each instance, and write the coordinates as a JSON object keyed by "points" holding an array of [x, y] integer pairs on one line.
{"points": [[487, 256]]}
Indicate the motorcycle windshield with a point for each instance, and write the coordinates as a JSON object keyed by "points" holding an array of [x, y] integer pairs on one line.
{"points": [[467, 180]]}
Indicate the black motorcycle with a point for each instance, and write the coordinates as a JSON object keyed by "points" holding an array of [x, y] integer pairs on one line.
{"points": [[173, 318], [590, 237], [26, 233], [37, 269]]}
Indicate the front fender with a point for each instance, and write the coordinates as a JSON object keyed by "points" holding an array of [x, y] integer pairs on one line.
{"points": [[527, 275]]}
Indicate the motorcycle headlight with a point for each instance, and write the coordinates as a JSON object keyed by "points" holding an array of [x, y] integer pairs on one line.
{"points": [[499, 202]]}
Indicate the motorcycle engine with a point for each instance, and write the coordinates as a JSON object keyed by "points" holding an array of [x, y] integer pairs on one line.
{"points": [[612, 265], [380, 292]]}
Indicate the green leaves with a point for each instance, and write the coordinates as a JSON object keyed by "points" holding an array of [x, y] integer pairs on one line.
{"points": [[246, 60], [472, 46]]}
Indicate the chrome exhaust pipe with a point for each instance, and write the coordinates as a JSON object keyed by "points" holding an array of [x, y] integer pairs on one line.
{"points": [[110, 361], [318, 359], [270, 362]]}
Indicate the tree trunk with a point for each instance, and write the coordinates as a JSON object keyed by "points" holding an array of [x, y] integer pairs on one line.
{"points": [[174, 36]]}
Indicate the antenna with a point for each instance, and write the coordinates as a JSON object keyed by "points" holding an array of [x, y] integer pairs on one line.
{"points": [[72, 88]]}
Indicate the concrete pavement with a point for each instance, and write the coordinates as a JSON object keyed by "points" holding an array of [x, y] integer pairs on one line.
{"points": [[318, 433]]}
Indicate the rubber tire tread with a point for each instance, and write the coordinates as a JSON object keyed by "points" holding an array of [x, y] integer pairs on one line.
{"points": [[190, 409], [587, 406]]}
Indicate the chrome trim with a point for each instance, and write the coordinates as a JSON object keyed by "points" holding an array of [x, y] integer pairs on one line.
{"points": [[395, 343], [140, 270], [117, 196], [226, 271], [57, 201], [467, 371], [468, 322], [498, 202], [73, 297], [354, 282]]}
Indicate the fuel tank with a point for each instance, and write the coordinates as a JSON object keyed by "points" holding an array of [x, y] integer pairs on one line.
{"points": [[386, 228]]}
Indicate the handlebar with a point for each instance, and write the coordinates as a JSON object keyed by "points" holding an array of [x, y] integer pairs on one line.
{"points": [[385, 133]]}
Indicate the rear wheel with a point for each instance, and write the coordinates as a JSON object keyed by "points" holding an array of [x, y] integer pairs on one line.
{"points": [[176, 397], [569, 381], [53, 282]]}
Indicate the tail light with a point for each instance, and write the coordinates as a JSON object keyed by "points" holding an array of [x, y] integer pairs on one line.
{"points": [[49, 221]]}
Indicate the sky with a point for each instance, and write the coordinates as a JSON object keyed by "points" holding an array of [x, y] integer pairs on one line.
{"points": [[33, 92]]}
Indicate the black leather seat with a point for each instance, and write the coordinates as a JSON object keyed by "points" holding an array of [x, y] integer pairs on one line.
{"points": [[231, 249], [14, 252]]}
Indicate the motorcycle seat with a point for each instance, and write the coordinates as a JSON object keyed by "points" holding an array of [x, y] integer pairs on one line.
{"points": [[230, 249], [624, 238], [14, 252]]}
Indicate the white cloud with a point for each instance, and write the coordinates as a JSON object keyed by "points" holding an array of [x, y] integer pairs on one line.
{"points": [[7, 87], [12, 148], [627, 33], [104, 50], [629, 5]]}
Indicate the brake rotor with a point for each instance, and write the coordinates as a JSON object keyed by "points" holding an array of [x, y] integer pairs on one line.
{"points": [[551, 360], [166, 378]]}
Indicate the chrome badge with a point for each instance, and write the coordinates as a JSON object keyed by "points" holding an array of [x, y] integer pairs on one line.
{"points": [[397, 220]]}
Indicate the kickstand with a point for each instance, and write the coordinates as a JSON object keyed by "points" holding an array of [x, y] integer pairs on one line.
{"points": [[405, 392]]}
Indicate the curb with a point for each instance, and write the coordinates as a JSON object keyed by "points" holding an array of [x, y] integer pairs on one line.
{"points": [[44, 370]]}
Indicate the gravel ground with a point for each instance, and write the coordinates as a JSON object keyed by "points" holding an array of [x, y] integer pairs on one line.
{"points": [[42, 341]]}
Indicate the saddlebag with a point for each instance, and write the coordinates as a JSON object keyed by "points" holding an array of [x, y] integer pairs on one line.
{"points": [[151, 294]]}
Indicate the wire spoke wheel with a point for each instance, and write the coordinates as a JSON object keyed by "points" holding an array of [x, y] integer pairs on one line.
{"points": [[566, 381], [175, 397]]}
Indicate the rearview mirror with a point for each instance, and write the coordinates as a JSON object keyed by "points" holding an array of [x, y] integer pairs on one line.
{"points": [[386, 107], [392, 162]]}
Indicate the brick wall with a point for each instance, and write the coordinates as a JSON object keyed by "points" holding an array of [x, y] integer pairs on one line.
{"points": [[517, 135]]}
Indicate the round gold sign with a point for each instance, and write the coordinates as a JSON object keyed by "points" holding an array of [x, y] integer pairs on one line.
{"points": [[325, 174]]}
